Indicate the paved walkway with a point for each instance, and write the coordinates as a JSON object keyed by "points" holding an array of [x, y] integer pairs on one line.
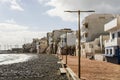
{"points": [[94, 70]]}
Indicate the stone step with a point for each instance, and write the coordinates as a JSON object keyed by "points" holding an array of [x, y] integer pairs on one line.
{"points": [[72, 75], [62, 70], [61, 62]]}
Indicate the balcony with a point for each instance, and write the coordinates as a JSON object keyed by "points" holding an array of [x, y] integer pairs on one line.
{"points": [[84, 30], [112, 25], [112, 42], [83, 40]]}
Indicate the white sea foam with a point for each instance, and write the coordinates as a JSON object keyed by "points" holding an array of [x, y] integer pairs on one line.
{"points": [[15, 58]]}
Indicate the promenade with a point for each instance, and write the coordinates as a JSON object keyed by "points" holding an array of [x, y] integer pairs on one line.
{"points": [[94, 70]]}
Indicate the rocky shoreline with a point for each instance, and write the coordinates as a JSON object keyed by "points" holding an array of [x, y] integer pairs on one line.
{"points": [[44, 67]]}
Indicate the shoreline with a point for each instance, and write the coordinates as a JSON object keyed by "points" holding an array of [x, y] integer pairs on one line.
{"points": [[44, 67]]}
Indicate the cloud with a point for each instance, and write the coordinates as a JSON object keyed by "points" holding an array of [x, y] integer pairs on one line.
{"points": [[14, 34], [42, 1], [13, 4], [100, 6], [11, 27], [10, 21], [19, 37]]}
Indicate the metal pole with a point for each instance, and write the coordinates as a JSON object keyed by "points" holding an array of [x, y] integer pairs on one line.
{"points": [[79, 38], [79, 55], [66, 48], [53, 43], [62, 50]]}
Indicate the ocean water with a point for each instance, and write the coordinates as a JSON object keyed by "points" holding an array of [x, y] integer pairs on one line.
{"points": [[15, 58]]}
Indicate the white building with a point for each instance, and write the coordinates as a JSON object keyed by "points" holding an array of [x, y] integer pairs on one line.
{"points": [[91, 30], [112, 46], [54, 38], [93, 26], [71, 39], [49, 38]]}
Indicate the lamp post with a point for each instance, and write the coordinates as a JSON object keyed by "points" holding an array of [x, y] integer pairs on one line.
{"points": [[79, 38]]}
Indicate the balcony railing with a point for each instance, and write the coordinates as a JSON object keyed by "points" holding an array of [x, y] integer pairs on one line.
{"points": [[84, 30], [112, 42]]}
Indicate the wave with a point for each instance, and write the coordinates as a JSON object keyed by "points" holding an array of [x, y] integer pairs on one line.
{"points": [[15, 58]]}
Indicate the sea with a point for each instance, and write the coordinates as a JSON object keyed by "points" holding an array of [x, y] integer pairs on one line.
{"points": [[6, 59]]}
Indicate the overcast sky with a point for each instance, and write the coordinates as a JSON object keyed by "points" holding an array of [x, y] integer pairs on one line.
{"points": [[22, 20]]}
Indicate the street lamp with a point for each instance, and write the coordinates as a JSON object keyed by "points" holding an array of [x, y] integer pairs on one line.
{"points": [[79, 38]]}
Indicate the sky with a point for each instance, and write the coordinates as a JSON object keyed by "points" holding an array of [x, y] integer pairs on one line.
{"points": [[23, 20]]}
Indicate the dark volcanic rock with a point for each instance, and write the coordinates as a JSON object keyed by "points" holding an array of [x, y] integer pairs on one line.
{"points": [[44, 67]]}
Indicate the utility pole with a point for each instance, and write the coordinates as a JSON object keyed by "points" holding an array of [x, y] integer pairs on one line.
{"points": [[4, 47], [79, 37], [53, 41], [0, 47], [10, 46], [66, 47], [62, 49]]}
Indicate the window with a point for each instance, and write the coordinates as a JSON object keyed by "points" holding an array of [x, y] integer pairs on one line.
{"points": [[65, 40], [99, 44], [86, 34], [113, 36], [118, 34], [110, 51], [86, 25], [106, 51]]}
